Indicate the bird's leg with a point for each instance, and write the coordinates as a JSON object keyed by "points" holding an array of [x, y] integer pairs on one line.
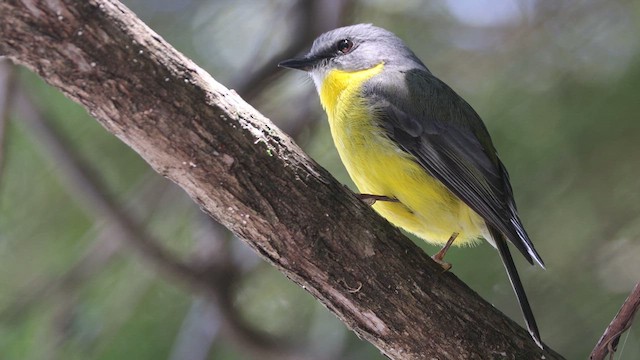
{"points": [[439, 256], [370, 199]]}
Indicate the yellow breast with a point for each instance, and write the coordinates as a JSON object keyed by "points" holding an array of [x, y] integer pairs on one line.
{"points": [[378, 166]]}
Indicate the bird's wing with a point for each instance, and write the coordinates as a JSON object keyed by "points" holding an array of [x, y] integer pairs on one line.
{"points": [[446, 136]]}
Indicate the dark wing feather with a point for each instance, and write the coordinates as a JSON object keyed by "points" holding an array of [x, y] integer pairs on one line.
{"points": [[449, 140]]}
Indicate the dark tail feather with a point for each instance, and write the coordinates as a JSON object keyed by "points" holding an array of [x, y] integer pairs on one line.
{"points": [[512, 272]]}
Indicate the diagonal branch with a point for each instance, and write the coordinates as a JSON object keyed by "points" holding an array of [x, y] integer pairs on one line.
{"points": [[620, 323], [252, 178]]}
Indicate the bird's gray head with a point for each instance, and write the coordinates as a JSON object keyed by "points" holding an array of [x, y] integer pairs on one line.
{"points": [[354, 48]]}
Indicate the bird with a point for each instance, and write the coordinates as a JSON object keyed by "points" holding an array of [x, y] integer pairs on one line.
{"points": [[415, 149]]}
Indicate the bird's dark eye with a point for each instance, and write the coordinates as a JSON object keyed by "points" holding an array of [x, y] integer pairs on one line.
{"points": [[344, 46]]}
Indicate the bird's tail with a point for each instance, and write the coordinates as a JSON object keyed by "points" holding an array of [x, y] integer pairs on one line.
{"points": [[516, 284]]}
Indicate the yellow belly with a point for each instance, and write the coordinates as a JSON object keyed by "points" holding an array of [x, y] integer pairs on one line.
{"points": [[377, 166]]}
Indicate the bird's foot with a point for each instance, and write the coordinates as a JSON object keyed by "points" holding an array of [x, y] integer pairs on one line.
{"points": [[445, 265], [371, 199], [439, 256]]}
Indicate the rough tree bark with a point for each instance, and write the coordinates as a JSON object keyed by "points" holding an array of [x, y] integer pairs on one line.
{"points": [[251, 177]]}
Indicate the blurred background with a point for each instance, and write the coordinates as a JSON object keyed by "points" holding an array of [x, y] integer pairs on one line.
{"points": [[556, 82]]}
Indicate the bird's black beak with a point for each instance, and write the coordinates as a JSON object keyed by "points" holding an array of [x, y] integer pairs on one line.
{"points": [[304, 63]]}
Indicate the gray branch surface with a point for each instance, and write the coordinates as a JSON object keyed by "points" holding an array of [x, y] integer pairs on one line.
{"points": [[247, 174]]}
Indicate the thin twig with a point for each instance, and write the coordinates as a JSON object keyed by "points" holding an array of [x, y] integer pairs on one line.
{"points": [[620, 323]]}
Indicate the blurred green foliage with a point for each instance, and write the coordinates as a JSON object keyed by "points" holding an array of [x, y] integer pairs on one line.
{"points": [[556, 82]]}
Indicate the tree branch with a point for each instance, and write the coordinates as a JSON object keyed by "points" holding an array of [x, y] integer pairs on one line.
{"points": [[250, 176], [620, 323]]}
